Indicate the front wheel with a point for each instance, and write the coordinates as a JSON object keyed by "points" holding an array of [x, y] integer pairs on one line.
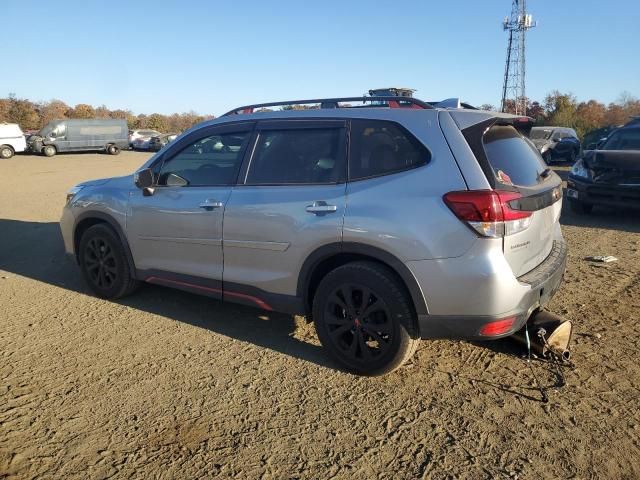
{"points": [[104, 263], [364, 318], [49, 151]]}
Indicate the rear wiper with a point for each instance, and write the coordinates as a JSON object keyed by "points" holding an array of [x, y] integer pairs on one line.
{"points": [[546, 173]]}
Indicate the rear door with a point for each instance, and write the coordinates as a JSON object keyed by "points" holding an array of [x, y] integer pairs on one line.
{"points": [[290, 200], [516, 165]]}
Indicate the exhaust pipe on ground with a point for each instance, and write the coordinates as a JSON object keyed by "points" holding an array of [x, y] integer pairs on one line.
{"points": [[549, 335]]}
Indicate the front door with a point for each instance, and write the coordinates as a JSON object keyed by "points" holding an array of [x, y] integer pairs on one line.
{"points": [[289, 201], [176, 232]]}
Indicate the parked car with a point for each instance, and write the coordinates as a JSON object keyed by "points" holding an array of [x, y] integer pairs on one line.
{"points": [[159, 141], [385, 225], [139, 139], [609, 174], [80, 135], [556, 143], [12, 140]]}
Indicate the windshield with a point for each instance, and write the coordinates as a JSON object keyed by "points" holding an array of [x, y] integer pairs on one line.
{"points": [[540, 133], [627, 139]]}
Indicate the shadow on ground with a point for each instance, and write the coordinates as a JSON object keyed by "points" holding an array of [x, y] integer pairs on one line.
{"points": [[36, 250]]}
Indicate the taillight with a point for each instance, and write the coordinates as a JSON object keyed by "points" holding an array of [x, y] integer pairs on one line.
{"points": [[498, 327], [489, 212]]}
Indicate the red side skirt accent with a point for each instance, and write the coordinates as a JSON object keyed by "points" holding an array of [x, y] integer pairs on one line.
{"points": [[166, 281]]}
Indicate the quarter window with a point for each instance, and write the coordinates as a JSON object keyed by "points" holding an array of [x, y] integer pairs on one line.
{"points": [[212, 160], [298, 156], [380, 148]]}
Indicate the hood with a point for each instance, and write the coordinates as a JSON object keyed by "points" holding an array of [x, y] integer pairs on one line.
{"points": [[614, 166], [116, 181], [540, 142]]}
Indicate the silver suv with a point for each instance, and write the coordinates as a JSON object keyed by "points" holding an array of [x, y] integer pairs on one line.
{"points": [[386, 223]]}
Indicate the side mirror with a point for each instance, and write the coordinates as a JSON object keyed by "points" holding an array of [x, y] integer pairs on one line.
{"points": [[144, 178]]}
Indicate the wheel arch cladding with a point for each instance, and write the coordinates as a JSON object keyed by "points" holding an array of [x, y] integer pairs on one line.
{"points": [[329, 257], [89, 219]]}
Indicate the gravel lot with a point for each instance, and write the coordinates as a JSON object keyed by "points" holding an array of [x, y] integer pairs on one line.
{"points": [[166, 384]]}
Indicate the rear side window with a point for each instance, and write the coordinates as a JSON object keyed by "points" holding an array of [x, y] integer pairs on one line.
{"points": [[513, 159], [298, 156], [380, 147]]}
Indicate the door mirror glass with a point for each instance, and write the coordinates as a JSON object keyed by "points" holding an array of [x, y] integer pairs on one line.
{"points": [[144, 178]]}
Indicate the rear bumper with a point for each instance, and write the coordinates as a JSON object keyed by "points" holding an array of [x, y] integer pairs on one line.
{"points": [[602, 193], [534, 291]]}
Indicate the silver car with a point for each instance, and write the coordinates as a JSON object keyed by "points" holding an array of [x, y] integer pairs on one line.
{"points": [[385, 224]]}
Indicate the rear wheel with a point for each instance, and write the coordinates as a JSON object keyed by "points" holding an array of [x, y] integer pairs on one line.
{"points": [[104, 263], [581, 208], [364, 319], [6, 151], [49, 151], [112, 150]]}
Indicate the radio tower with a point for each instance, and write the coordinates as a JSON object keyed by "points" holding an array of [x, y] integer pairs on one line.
{"points": [[514, 71]]}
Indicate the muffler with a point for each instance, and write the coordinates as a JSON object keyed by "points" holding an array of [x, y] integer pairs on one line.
{"points": [[549, 334]]}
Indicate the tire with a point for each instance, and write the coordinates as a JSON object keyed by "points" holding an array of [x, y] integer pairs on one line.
{"points": [[112, 150], [371, 341], [49, 150], [6, 152], [104, 264], [580, 208]]}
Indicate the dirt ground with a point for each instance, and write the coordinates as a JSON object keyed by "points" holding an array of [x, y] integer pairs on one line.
{"points": [[165, 384]]}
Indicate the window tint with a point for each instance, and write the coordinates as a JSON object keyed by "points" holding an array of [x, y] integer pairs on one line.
{"points": [[309, 155], [379, 147], [624, 140], [514, 160], [212, 160]]}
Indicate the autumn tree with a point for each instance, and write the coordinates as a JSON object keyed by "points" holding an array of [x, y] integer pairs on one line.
{"points": [[82, 110], [23, 112], [52, 110], [102, 112], [158, 122]]}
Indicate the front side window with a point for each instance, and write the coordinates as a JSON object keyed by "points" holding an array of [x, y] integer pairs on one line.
{"points": [[59, 131], [212, 160], [624, 140], [298, 156], [381, 147]]}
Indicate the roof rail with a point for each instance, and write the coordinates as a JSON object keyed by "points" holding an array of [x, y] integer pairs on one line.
{"points": [[391, 102]]}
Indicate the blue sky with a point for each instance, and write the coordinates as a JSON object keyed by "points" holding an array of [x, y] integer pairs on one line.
{"points": [[209, 56]]}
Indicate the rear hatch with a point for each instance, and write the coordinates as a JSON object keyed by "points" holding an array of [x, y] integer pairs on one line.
{"points": [[531, 193]]}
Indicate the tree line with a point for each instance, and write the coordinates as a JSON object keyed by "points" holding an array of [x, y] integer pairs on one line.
{"points": [[564, 110], [558, 109], [35, 115]]}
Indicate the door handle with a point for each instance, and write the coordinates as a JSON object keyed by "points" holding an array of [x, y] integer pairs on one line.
{"points": [[321, 207], [209, 205]]}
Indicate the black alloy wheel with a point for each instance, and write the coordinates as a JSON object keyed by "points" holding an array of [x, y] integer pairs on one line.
{"points": [[364, 318]]}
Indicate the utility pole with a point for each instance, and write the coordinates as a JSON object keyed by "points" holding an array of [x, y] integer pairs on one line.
{"points": [[513, 87]]}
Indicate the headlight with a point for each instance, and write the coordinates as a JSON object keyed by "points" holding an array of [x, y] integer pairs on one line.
{"points": [[72, 192], [579, 170]]}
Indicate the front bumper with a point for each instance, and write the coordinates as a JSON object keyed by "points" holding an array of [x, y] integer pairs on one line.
{"points": [[602, 193], [537, 288]]}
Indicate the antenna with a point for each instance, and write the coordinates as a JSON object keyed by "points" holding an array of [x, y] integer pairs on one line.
{"points": [[515, 67]]}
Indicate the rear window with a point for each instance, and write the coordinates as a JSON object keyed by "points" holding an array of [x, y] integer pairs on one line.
{"points": [[513, 159]]}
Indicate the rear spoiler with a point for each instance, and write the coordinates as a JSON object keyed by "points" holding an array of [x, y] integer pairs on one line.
{"points": [[484, 119], [522, 124]]}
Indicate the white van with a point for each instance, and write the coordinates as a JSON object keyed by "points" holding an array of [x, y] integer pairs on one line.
{"points": [[11, 140]]}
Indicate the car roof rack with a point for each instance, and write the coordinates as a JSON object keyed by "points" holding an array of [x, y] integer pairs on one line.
{"points": [[377, 101]]}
